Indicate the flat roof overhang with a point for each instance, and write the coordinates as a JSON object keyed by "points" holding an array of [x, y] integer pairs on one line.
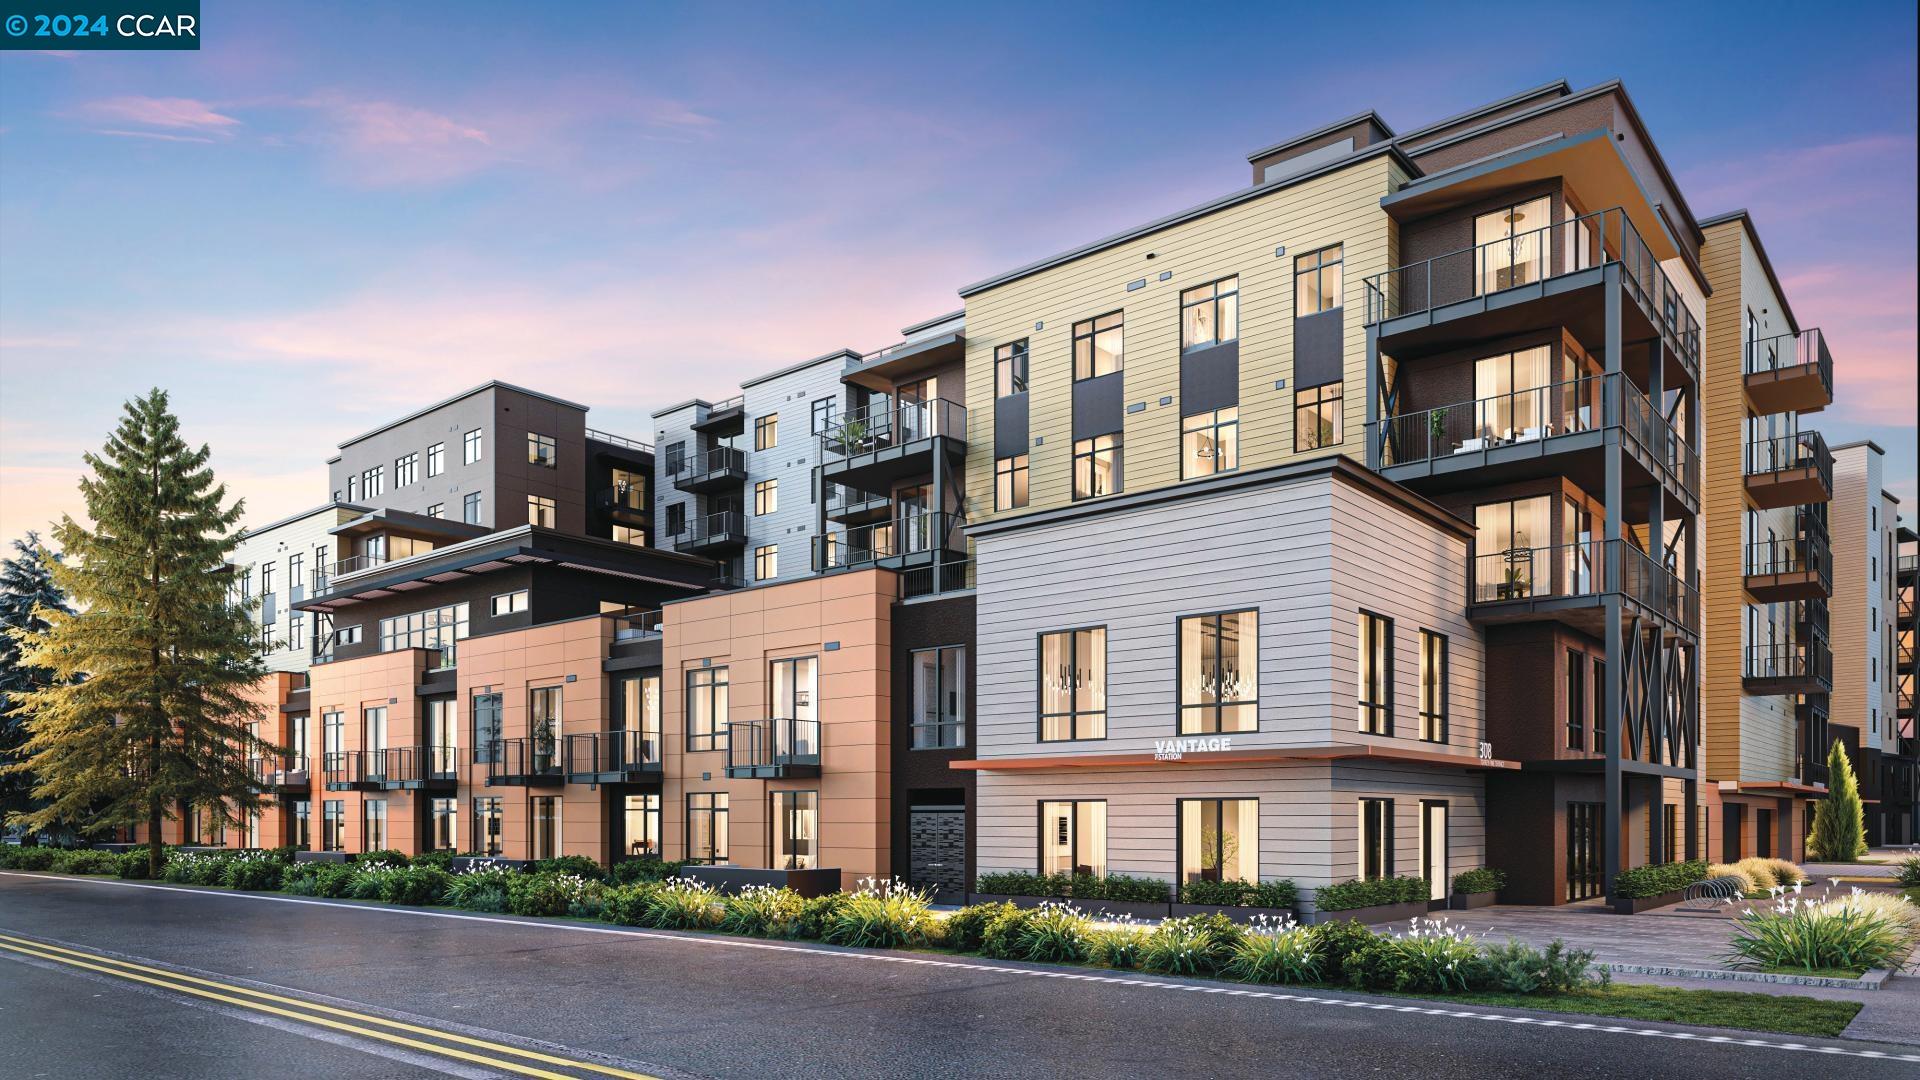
{"points": [[883, 371], [1590, 161], [1276, 755], [409, 523], [1781, 787]]}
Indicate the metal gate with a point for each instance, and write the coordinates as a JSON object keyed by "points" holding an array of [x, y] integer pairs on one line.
{"points": [[937, 849]]}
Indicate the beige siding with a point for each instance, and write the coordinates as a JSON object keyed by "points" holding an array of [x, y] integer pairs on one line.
{"points": [[1856, 598]]}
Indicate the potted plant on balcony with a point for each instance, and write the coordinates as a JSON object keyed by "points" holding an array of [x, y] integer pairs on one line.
{"points": [[1436, 430], [850, 436]]}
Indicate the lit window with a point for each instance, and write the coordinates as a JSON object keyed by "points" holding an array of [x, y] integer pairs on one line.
{"points": [[1220, 672], [1316, 282], [1010, 369], [1210, 314], [1097, 346], [628, 534], [1209, 443], [1010, 482], [706, 827], [542, 451], [1317, 417], [766, 497], [796, 817], [1376, 674], [1073, 838], [540, 511], [1219, 840], [1096, 466], [510, 603], [1376, 838], [1433, 687], [766, 562], [1073, 684], [766, 432]]}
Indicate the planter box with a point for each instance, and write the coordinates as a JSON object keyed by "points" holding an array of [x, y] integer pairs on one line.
{"points": [[1237, 914], [1467, 901], [731, 879], [1380, 913], [322, 856], [1139, 909], [1624, 905], [1016, 901]]}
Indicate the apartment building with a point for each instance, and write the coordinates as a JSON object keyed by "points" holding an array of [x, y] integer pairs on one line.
{"points": [[272, 568], [1866, 625], [1769, 571], [1901, 791]]}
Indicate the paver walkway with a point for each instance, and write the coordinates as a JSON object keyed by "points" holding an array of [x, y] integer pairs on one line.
{"points": [[1669, 937]]}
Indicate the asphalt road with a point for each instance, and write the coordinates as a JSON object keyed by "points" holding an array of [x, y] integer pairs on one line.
{"points": [[96, 983]]}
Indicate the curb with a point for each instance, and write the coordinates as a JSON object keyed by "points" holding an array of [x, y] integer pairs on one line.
{"points": [[1871, 981]]}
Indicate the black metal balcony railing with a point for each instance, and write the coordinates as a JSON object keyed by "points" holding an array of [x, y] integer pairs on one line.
{"points": [[1589, 568], [1810, 617], [606, 757], [1532, 257], [351, 770], [620, 441], [629, 623], [769, 749], [946, 577], [1791, 453], [720, 465], [912, 533], [728, 528], [277, 773], [1808, 348], [1908, 562], [418, 766], [1805, 554], [1796, 660], [524, 762], [625, 498], [893, 422]]}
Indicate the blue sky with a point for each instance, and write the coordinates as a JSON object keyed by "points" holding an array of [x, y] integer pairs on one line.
{"points": [[332, 213]]}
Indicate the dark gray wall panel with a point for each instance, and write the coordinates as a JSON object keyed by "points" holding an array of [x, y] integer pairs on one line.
{"points": [[1317, 348], [1010, 426], [1098, 405], [1210, 379]]}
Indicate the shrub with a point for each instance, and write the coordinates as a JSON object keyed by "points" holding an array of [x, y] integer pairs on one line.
{"points": [[254, 872], [880, 915], [439, 860], [966, 927], [416, 885], [1192, 945], [369, 880], [1237, 893], [1519, 968], [625, 905], [578, 865], [762, 911], [1808, 934], [190, 868], [1275, 951], [1910, 872], [1123, 946], [681, 904], [1430, 957], [1370, 892], [628, 871], [1760, 871], [1003, 933], [386, 856], [480, 889], [1644, 881], [1839, 820], [1787, 873], [132, 865], [540, 894], [28, 858], [86, 861], [1483, 880], [1724, 870], [1335, 941], [282, 854], [818, 912], [1023, 884], [1055, 933]]}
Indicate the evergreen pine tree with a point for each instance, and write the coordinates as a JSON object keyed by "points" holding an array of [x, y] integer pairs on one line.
{"points": [[1839, 820], [147, 709], [26, 590]]}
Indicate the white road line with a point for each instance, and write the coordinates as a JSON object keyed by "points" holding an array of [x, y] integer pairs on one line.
{"points": [[1071, 976]]}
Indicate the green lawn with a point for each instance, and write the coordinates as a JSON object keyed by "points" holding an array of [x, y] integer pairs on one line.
{"points": [[1679, 1005]]}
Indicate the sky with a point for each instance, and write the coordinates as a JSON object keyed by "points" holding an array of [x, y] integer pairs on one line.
{"points": [[334, 213]]}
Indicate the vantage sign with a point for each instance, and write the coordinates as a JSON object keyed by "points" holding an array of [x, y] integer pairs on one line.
{"points": [[1175, 749]]}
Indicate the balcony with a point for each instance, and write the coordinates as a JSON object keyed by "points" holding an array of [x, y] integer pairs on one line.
{"points": [[946, 577], [1793, 667], [773, 749], [624, 501], [1789, 373], [524, 762], [714, 536], [852, 506], [1485, 284], [1790, 470], [1810, 618], [621, 441], [724, 419], [1567, 582], [419, 768], [1794, 568], [613, 757], [918, 538], [719, 469], [892, 440], [281, 775], [353, 770], [1511, 436], [1811, 739], [630, 624]]}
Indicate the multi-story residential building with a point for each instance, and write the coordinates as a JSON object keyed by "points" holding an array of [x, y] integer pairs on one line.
{"points": [[1865, 639], [1901, 791], [1769, 570], [1500, 313], [272, 568]]}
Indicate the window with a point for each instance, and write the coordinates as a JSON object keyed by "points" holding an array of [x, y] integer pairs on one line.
{"points": [[544, 717], [436, 459], [1316, 282], [296, 629], [766, 497], [1514, 396], [437, 628], [1317, 421], [333, 741], [470, 508], [1376, 838], [1010, 482], [796, 828], [437, 510], [1209, 443], [1210, 314], [1097, 346], [470, 447], [347, 635], [766, 432], [1599, 706], [445, 836], [333, 825], [542, 451], [1219, 672], [1513, 549], [676, 519], [375, 837], [676, 458], [707, 708], [1376, 674], [510, 603], [1010, 369], [1073, 838], [822, 418], [487, 817], [640, 815], [1576, 700], [1510, 245], [300, 829], [1096, 466], [1433, 687], [406, 470], [1219, 840], [766, 562], [486, 727], [1073, 684], [443, 736], [629, 534], [546, 826], [636, 708], [706, 827], [540, 511], [296, 573], [374, 481], [939, 698], [373, 731]]}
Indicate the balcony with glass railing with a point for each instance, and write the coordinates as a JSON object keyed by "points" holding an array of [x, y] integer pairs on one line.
{"points": [[913, 538], [892, 439], [1789, 470], [1566, 582], [634, 623], [1549, 263], [1789, 373]]}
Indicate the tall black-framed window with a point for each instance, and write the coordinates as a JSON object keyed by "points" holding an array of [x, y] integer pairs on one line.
{"points": [[1318, 419], [766, 432], [1599, 690], [1209, 442], [707, 817], [1210, 314], [676, 519], [1010, 369], [1219, 664], [1316, 281], [822, 414], [1375, 689], [1010, 482], [1376, 838], [486, 727], [675, 457], [1433, 686], [707, 708], [1073, 684], [940, 697], [1098, 346], [1073, 837], [1219, 840], [488, 816], [1576, 700], [795, 836], [1097, 466], [333, 825]]}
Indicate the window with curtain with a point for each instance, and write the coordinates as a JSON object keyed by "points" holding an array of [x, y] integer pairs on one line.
{"points": [[1220, 672], [1513, 549], [1096, 466], [1073, 684], [1010, 369], [1510, 245], [1010, 482], [1316, 281], [1073, 838], [1209, 443], [546, 826], [1210, 314], [1219, 840], [1097, 346], [1513, 394], [1376, 674], [1317, 417]]}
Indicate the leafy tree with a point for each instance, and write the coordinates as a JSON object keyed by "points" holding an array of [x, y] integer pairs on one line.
{"points": [[26, 592], [1839, 820], [147, 709]]}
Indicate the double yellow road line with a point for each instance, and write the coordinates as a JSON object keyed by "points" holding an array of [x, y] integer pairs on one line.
{"points": [[365, 1025]]}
